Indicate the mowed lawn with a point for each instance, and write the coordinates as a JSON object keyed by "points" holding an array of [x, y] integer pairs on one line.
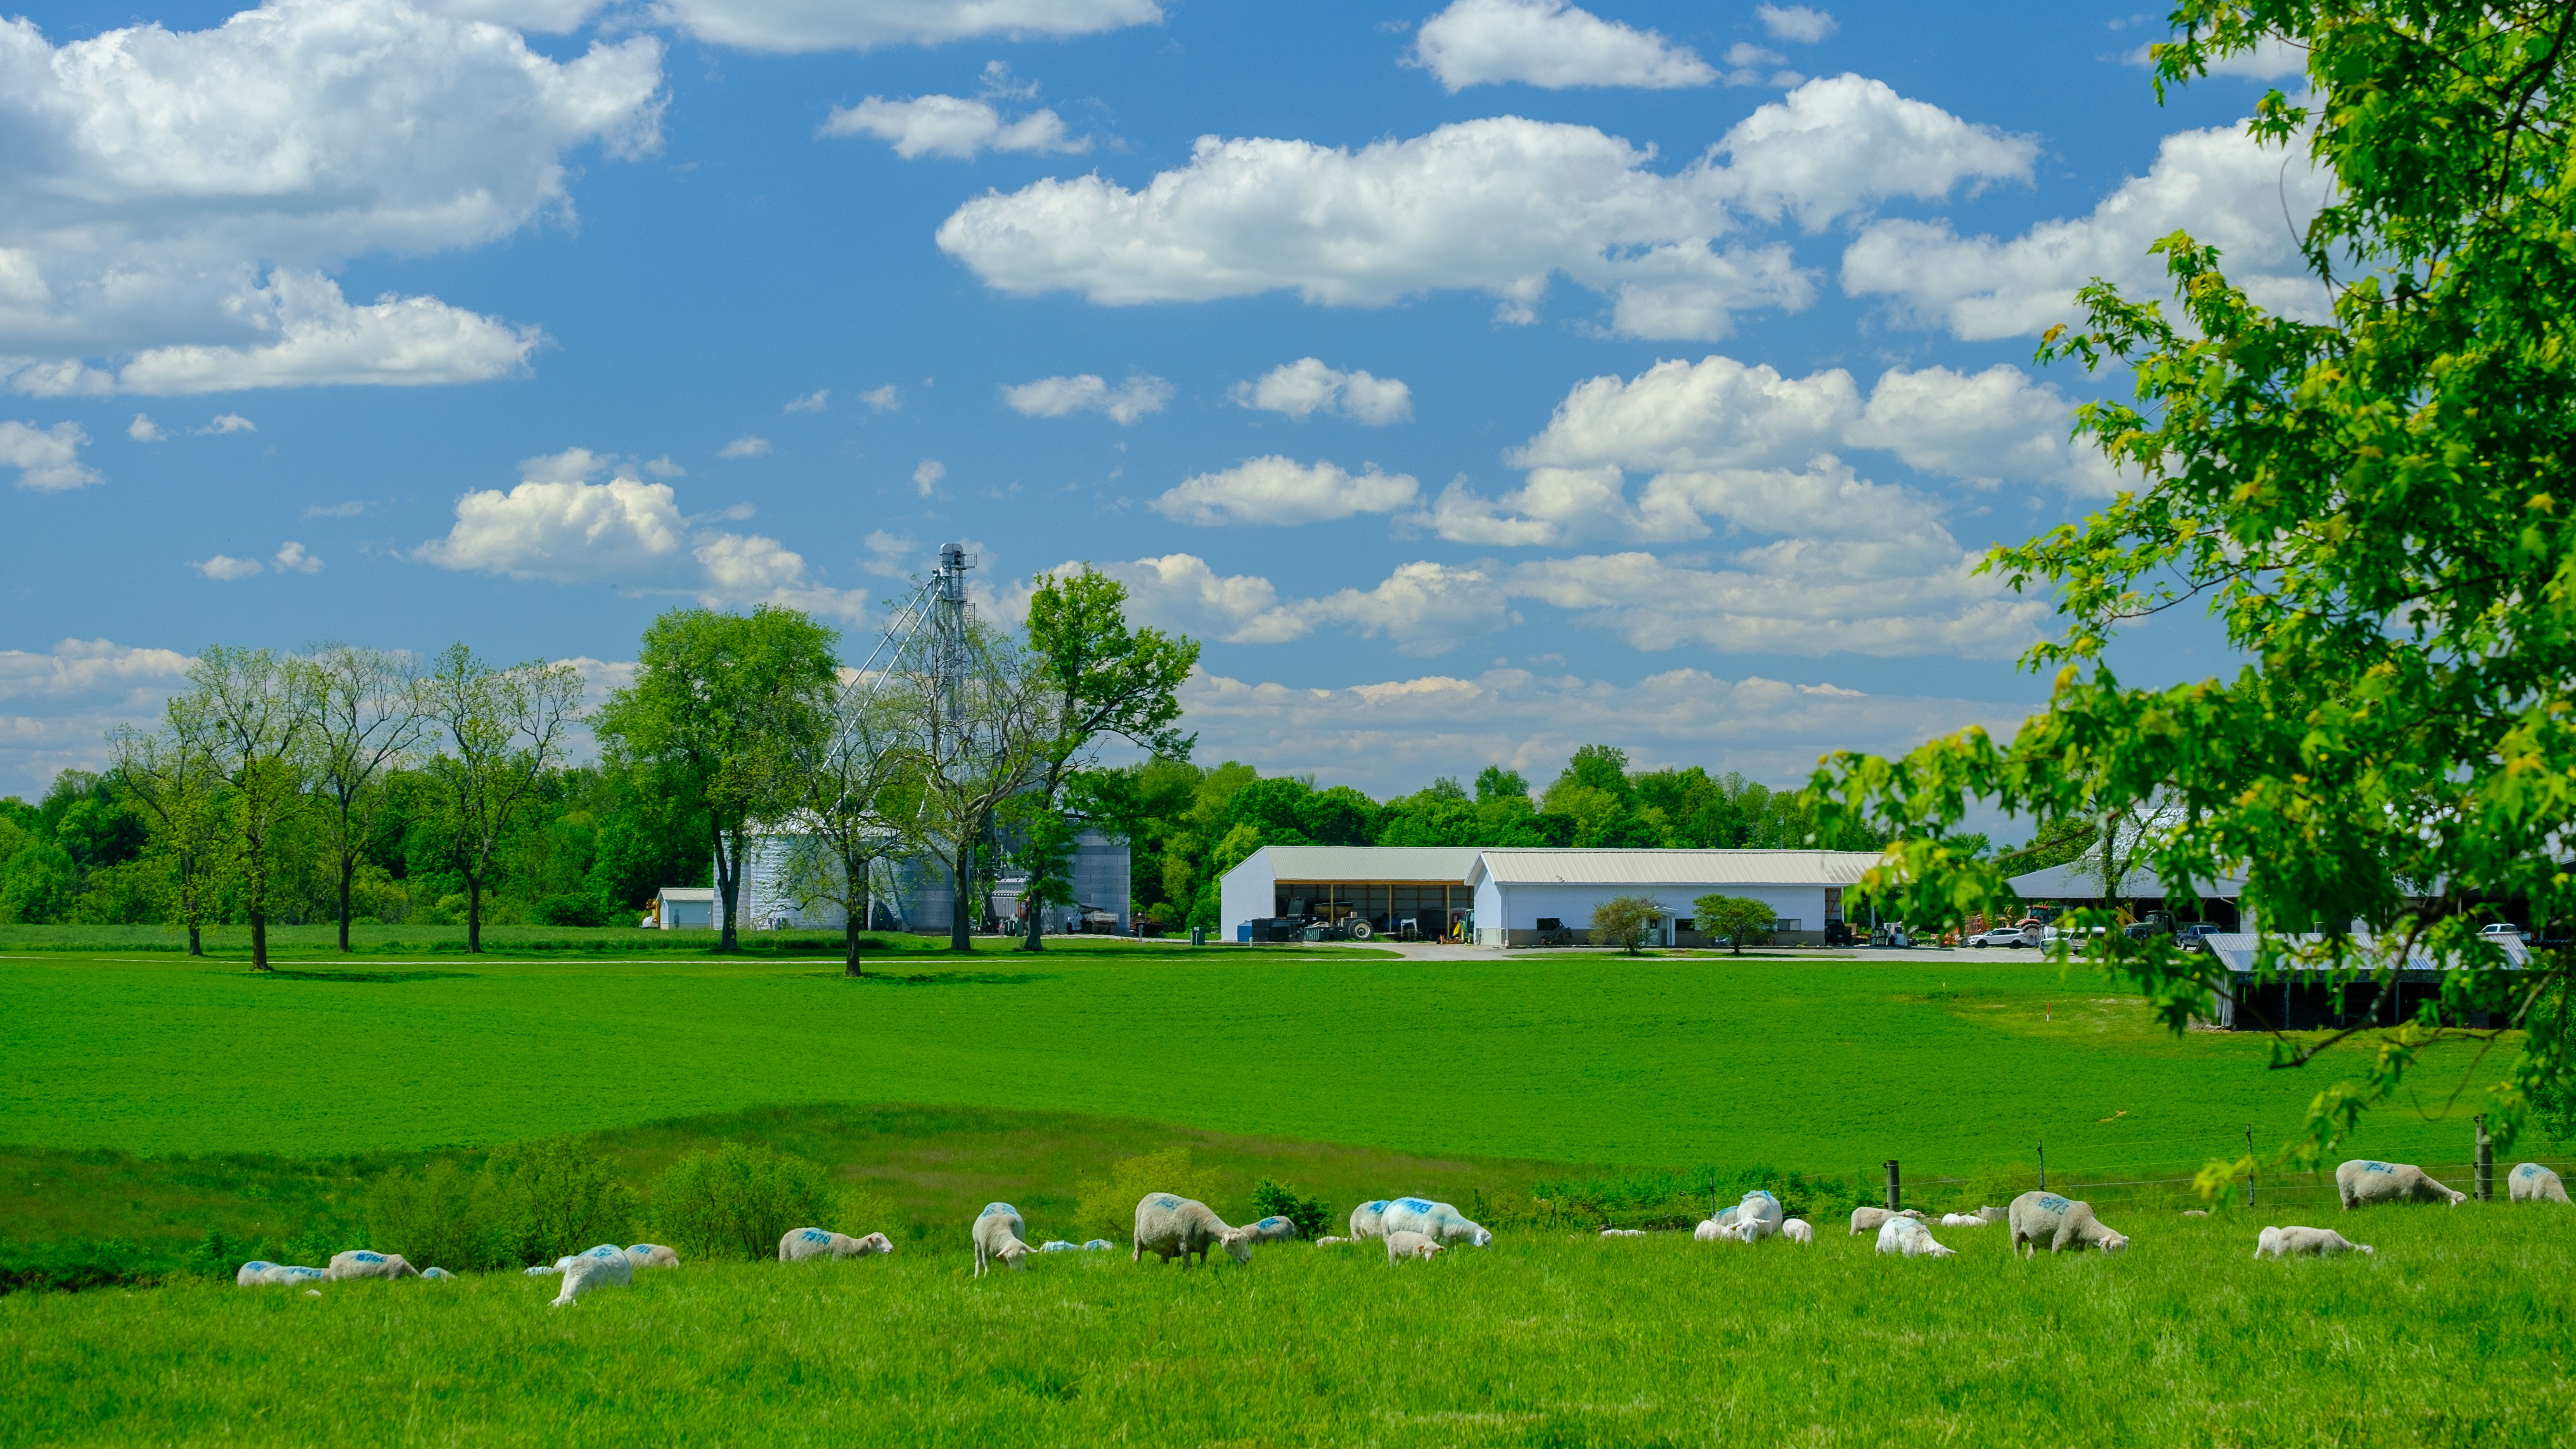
{"points": [[2456, 1333], [1828, 1065]]}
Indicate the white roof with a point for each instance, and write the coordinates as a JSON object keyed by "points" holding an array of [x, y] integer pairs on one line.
{"points": [[1538, 866], [2236, 951], [688, 893], [2082, 880], [1364, 862]]}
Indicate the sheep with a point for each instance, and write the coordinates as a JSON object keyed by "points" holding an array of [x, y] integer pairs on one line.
{"points": [[1404, 1243], [259, 1272], [1176, 1227], [1964, 1220], [548, 1270], [1058, 1245], [2044, 1217], [1708, 1232], [1098, 1245], [1758, 1216], [1797, 1230], [997, 1237], [2295, 1242], [652, 1255], [435, 1275], [1909, 1238], [1368, 1220], [2362, 1181], [1623, 1232], [599, 1267], [1273, 1230], [359, 1263], [2195, 1212], [1435, 1220], [2532, 1182], [1992, 1214], [1870, 1219], [801, 1244], [1334, 1241]]}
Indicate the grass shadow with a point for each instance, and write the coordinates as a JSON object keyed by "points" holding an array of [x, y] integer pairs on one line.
{"points": [[941, 978], [361, 978]]}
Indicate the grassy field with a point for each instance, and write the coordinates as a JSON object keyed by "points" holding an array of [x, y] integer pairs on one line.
{"points": [[2455, 1333]]}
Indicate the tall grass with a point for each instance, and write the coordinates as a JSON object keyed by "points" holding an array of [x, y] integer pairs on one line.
{"points": [[2454, 1334]]}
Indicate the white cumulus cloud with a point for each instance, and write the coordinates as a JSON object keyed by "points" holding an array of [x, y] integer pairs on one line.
{"points": [[2218, 184], [224, 568], [1305, 387], [807, 25], [1500, 205], [883, 400], [927, 477], [951, 126], [812, 402], [178, 201], [559, 526], [57, 705], [224, 423], [749, 445], [144, 430], [47, 459], [1422, 607], [1056, 397], [1548, 43], [1277, 490], [1798, 23], [292, 559]]}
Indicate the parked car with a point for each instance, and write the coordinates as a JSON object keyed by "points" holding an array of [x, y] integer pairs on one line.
{"points": [[2194, 935], [2010, 937], [2504, 931]]}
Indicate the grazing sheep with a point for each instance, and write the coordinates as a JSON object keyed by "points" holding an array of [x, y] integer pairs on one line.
{"points": [[2532, 1182], [435, 1275], [258, 1272], [1870, 1219], [1331, 1241], [2195, 1212], [1368, 1220], [2361, 1181], [801, 1244], [1708, 1232], [1176, 1227], [1797, 1230], [2305, 1243], [1098, 1245], [652, 1255], [997, 1237], [1992, 1214], [1908, 1237], [1435, 1220], [548, 1270], [1758, 1216], [1404, 1243], [1273, 1230], [1964, 1220], [359, 1263], [2044, 1217], [1623, 1232], [1058, 1245], [601, 1267]]}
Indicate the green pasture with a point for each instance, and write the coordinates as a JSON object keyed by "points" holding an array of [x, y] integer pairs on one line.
{"points": [[2454, 1333]]}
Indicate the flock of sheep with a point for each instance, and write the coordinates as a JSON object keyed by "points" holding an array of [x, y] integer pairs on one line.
{"points": [[1170, 1226]]}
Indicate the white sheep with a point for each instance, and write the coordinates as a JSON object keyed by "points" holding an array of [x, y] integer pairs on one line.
{"points": [[1870, 1219], [1623, 1232], [2296, 1242], [1171, 1226], [2532, 1182], [604, 1266], [1334, 1241], [2363, 1181], [1435, 1220], [1368, 1220], [997, 1237], [359, 1263], [1964, 1220], [1708, 1232], [1798, 1230], [652, 1255], [1098, 1245], [2062, 1223], [1058, 1245], [1404, 1243], [1273, 1230], [1908, 1237], [259, 1271], [802, 1244], [436, 1275]]}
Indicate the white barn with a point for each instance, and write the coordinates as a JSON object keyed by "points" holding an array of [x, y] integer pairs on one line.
{"points": [[1389, 885]]}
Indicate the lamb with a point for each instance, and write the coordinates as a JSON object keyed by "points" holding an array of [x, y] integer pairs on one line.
{"points": [[1435, 1220], [1623, 1232], [1992, 1214], [1758, 1216], [1708, 1232], [1404, 1243], [652, 1255], [1058, 1245], [601, 1267], [1964, 1220], [359, 1263], [1098, 1245], [259, 1272], [2362, 1181], [1909, 1238], [2532, 1182], [1273, 1230], [1870, 1219], [1176, 1227], [1368, 1220], [435, 1275], [2297, 1242], [801, 1244], [997, 1237], [2044, 1217], [1330, 1240], [1797, 1230]]}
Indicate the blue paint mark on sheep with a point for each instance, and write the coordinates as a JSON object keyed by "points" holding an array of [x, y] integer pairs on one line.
{"points": [[2528, 1169], [2054, 1203], [258, 1266], [1415, 1204], [1166, 1200], [1765, 1196], [817, 1235], [991, 1208], [1271, 1223], [364, 1257], [2377, 1167]]}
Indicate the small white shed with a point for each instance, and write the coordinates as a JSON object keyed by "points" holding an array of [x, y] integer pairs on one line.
{"points": [[679, 907]]}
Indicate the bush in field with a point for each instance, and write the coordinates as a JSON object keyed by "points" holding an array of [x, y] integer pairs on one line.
{"points": [[1312, 1215], [442, 1217], [738, 1201], [554, 1197], [1623, 921], [1106, 1206], [1742, 922]]}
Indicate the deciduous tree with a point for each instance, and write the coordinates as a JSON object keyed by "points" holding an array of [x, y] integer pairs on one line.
{"points": [[503, 730], [260, 711], [367, 720]]}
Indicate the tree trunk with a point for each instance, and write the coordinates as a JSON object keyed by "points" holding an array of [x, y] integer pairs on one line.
{"points": [[196, 943], [348, 869], [850, 944], [728, 889], [961, 875], [259, 941], [473, 915]]}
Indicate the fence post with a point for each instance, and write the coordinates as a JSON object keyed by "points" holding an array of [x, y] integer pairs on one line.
{"points": [[2249, 1170], [1892, 1193], [2043, 1164], [2486, 1163]]}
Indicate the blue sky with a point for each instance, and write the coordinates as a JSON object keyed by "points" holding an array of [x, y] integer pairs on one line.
{"points": [[1476, 380]]}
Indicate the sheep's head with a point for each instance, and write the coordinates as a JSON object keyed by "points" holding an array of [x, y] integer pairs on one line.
{"points": [[1427, 1251], [1479, 1237], [2365, 1248], [2113, 1242], [1016, 1253], [1238, 1244]]}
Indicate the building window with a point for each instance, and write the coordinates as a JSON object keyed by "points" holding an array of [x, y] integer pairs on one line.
{"points": [[1682, 923], [1785, 923], [1551, 923]]}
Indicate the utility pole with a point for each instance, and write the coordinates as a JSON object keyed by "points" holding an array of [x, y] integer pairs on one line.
{"points": [[2249, 1171], [2043, 1164], [948, 667]]}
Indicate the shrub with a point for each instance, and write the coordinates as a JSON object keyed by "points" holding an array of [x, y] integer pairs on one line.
{"points": [[443, 1217], [571, 910], [555, 1197], [1106, 1206], [1740, 921], [1622, 921], [1312, 1215], [738, 1201]]}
